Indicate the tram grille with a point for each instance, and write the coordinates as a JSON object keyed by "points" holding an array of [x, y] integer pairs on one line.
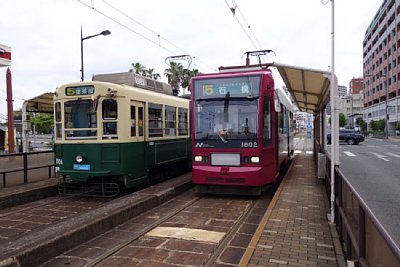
{"points": [[226, 180], [235, 180]]}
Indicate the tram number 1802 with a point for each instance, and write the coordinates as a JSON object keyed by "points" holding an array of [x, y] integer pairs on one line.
{"points": [[248, 144]]}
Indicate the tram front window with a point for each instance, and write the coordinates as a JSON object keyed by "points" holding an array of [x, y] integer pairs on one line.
{"points": [[80, 119], [223, 120]]}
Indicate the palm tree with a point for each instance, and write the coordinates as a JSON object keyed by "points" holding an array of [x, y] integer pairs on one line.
{"points": [[188, 74], [174, 75], [138, 68], [150, 73]]}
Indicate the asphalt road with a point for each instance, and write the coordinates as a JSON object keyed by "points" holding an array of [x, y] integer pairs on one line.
{"points": [[372, 168]]}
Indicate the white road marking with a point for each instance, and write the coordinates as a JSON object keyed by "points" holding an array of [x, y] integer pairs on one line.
{"points": [[348, 153], [393, 155], [309, 152], [379, 156]]}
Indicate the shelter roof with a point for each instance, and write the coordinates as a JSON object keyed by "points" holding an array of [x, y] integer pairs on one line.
{"points": [[41, 103], [308, 87]]}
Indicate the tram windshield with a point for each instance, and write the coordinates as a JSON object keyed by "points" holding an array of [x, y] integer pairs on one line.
{"points": [[80, 119], [223, 120], [226, 108]]}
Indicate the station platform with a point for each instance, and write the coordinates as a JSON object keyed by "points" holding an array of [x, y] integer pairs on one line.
{"points": [[24, 193], [295, 230]]}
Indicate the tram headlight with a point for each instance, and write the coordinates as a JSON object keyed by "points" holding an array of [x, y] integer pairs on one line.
{"points": [[255, 159], [79, 158], [200, 158]]}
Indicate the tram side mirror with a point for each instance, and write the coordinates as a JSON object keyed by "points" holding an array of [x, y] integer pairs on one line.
{"points": [[277, 103]]}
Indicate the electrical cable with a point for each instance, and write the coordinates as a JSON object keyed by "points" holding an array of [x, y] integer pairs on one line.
{"points": [[250, 29], [139, 34], [233, 10]]}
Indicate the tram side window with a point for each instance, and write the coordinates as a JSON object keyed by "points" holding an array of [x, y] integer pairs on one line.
{"points": [[266, 121], [170, 120], [155, 120], [133, 121], [110, 115], [280, 121], [58, 131], [183, 125]]}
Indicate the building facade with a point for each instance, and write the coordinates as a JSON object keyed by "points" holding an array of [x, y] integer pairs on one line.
{"points": [[381, 56], [342, 90]]}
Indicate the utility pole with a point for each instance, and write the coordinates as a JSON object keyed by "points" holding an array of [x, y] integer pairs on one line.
{"points": [[10, 113]]}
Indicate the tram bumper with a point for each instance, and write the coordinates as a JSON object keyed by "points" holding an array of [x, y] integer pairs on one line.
{"points": [[233, 176], [80, 176]]}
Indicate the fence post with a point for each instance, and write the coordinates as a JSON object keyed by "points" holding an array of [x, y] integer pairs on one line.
{"points": [[361, 232], [25, 155]]}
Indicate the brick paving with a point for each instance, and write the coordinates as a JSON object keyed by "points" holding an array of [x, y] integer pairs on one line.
{"points": [[295, 230]]}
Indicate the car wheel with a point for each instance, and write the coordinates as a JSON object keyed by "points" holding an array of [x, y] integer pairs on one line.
{"points": [[351, 141]]}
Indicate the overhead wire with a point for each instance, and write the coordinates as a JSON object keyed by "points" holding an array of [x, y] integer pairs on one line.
{"points": [[233, 11], [248, 26], [139, 34]]}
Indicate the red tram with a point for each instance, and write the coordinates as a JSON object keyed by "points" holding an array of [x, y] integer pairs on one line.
{"points": [[242, 132]]}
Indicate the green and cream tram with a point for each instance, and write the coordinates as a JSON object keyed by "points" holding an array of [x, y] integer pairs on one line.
{"points": [[110, 134]]}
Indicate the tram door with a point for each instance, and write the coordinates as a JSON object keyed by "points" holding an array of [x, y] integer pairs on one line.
{"points": [[137, 153], [137, 121]]}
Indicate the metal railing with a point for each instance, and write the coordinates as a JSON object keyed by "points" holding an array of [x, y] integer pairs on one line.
{"points": [[358, 228], [26, 161]]}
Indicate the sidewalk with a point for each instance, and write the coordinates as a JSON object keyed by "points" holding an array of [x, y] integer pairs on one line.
{"points": [[295, 231]]}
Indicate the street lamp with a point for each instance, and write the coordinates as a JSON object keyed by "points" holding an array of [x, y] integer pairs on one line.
{"points": [[106, 32]]}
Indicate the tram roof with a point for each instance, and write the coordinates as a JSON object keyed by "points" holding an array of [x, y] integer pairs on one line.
{"points": [[309, 87]]}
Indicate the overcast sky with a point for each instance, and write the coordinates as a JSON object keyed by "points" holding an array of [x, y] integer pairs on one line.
{"points": [[44, 36]]}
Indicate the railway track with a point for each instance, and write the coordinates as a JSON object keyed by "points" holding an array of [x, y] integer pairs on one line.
{"points": [[167, 234]]}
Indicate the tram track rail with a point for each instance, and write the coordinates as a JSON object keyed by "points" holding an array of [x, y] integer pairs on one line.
{"points": [[230, 215], [140, 234]]}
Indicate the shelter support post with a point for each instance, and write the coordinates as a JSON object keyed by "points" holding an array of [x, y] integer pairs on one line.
{"points": [[24, 128]]}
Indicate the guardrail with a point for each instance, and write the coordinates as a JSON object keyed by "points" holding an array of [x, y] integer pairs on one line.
{"points": [[23, 162], [363, 237]]}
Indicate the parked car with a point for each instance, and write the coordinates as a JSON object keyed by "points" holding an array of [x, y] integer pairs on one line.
{"points": [[351, 137]]}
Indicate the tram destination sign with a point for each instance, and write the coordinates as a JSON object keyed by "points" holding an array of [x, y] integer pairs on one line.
{"points": [[79, 90], [234, 87]]}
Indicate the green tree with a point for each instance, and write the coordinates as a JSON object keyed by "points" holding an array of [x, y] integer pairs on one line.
{"points": [[151, 74], [174, 75], [138, 68], [342, 120], [43, 122], [381, 124], [363, 125], [179, 77], [373, 125]]}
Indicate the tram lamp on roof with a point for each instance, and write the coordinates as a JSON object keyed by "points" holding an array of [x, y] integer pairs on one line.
{"points": [[106, 32]]}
